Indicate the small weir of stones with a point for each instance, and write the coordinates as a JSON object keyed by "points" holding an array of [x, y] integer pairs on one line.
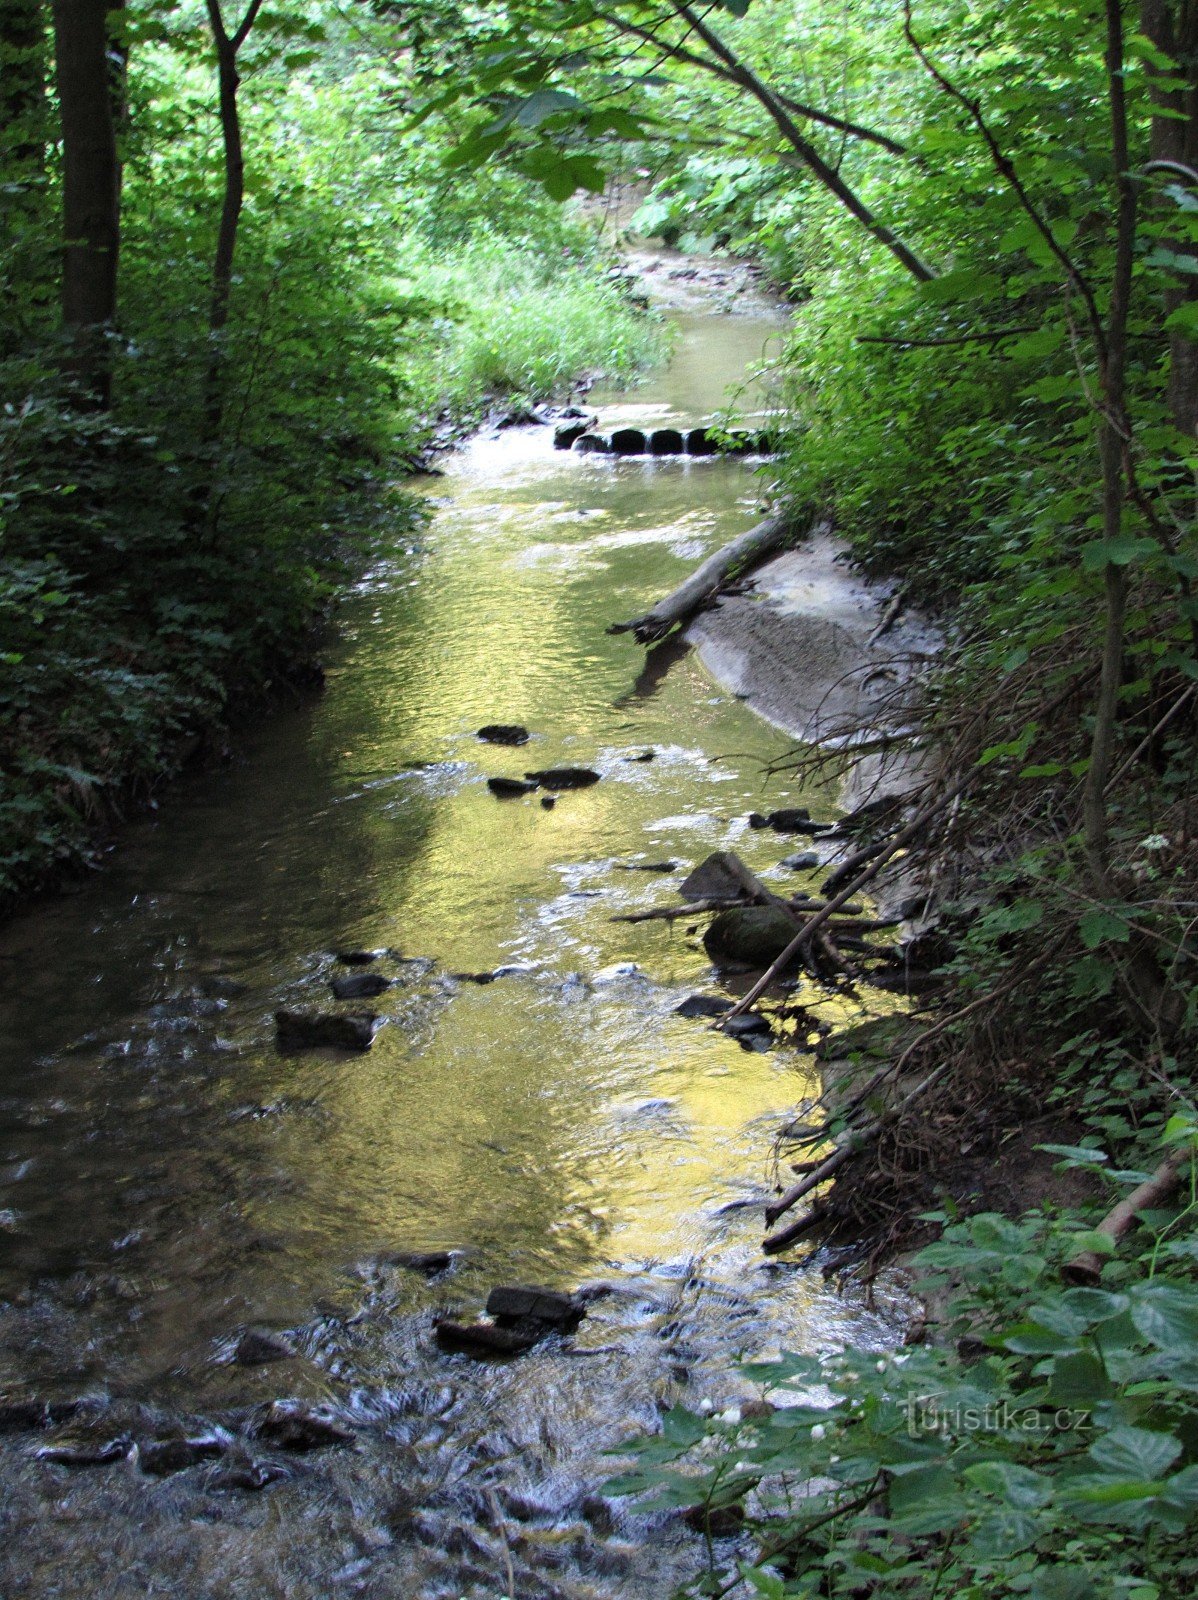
{"points": [[578, 434]]}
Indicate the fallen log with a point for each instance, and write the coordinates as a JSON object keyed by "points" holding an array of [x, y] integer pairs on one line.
{"points": [[774, 1242], [1085, 1268], [701, 588]]}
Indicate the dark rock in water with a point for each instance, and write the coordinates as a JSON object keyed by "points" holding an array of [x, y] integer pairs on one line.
{"points": [[322, 1030], [747, 1026], [294, 1427], [646, 866], [700, 442], [249, 1476], [721, 876], [645, 755], [628, 442], [757, 820], [754, 935], [717, 1522], [666, 442], [482, 1339], [504, 733], [931, 948], [565, 435], [563, 778], [360, 986], [790, 820], [703, 1005], [258, 1346], [160, 1457], [474, 977], [577, 411], [221, 988], [591, 444], [358, 958], [801, 861], [907, 980], [509, 787], [547, 802], [529, 1302], [29, 1415], [430, 1262], [98, 1449]]}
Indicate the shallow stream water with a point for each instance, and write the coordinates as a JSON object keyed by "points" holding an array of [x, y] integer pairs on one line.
{"points": [[168, 1177]]}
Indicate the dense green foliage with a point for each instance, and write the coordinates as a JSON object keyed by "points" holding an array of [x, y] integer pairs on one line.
{"points": [[154, 564], [1049, 1454]]}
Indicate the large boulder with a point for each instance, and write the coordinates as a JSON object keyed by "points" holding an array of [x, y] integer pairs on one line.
{"points": [[751, 936], [322, 1030]]}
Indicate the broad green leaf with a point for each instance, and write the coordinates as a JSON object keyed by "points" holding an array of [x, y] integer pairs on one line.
{"points": [[1135, 1453], [1100, 926]]}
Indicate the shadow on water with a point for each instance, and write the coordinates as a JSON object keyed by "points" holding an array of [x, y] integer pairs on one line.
{"points": [[168, 1177]]}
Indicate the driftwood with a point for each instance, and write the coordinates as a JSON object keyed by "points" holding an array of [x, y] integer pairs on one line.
{"points": [[789, 1235], [692, 908], [1086, 1268], [701, 588]]}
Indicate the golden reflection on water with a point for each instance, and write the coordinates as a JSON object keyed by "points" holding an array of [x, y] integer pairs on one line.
{"points": [[554, 1121]]}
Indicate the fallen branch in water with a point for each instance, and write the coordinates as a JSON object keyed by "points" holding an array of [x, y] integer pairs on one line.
{"points": [[1086, 1268], [851, 1143], [868, 871], [703, 585]]}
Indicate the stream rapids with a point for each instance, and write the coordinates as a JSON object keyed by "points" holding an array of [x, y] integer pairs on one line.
{"points": [[169, 1179]]}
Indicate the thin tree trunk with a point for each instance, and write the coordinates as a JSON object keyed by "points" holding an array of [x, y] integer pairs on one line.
{"points": [[1173, 28], [26, 281], [91, 184], [1114, 441], [227, 48]]}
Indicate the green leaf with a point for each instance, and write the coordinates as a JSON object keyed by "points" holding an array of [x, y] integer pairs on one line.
{"points": [[546, 103], [1119, 552], [1167, 1314], [1020, 1487], [1100, 926], [1135, 1453]]}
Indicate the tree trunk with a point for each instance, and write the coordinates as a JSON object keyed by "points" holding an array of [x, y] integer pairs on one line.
{"points": [[1172, 26], [701, 588], [91, 185], [23, 126]]}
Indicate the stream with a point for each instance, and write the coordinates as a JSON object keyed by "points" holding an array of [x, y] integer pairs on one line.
{"points": [[169, 1178]]}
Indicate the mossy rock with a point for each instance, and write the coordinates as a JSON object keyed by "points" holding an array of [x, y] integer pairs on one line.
{"points": [[751, 936]]}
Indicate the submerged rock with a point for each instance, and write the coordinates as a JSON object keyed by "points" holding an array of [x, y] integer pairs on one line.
{"points": [[747, 1026], [482, 1339], [358, 958], [588, 444], [548, 802], [800, 861], [293, 1426], [430, 1262], [504, 733], [563, 778], [161, 1457], [752, 935], [507, 788], [249, 1476], [30, 1414], [646, 866], [360, 986], [258, 1346], [99, 1448], [323, 1030], [703, 1005]]}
